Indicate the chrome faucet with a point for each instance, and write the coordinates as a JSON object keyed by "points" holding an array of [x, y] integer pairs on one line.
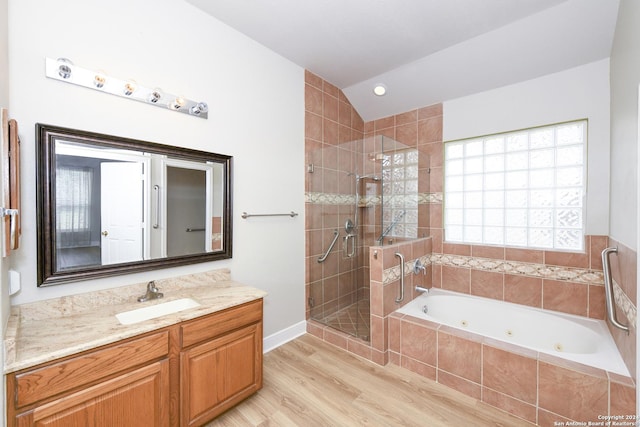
{"points": [[152, 292], [418, 268]]}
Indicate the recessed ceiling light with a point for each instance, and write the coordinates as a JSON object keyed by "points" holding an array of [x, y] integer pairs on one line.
{"points": [[380, 89]]}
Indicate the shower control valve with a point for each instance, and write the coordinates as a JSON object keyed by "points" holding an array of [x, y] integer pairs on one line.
{"points": [[419, 267]]}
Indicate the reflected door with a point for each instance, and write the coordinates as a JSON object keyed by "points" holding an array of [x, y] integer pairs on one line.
{"points": [[121, 212], [188, 230]]}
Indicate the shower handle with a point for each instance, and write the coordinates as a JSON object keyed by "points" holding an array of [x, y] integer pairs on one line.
{"points": [[401, 297], [352, 237], [419, 267]]}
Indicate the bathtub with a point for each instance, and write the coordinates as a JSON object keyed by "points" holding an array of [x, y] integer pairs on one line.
{"points": [[575, 338]]}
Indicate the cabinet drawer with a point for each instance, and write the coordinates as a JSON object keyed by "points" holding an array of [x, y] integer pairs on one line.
{"points": [[137, 398], [219, 323], [41, 383]]}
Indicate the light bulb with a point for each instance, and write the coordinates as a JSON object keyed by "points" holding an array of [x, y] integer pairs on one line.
{"points": [[155, 96], [99, 79], [129, 87], [64, 68], [177, 103], [380, 89], [200, 107]]}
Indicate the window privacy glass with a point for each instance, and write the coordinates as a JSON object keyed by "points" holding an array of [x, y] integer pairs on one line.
{"points": [[400, 193], [523, 188]]}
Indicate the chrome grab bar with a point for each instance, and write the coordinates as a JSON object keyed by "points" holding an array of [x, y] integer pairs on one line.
{"points": [[156, 188], [326, 254], [608, 289], [401, 297], [346, 238]]}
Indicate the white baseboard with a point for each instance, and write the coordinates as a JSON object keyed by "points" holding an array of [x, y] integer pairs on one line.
{"points": [[284, 336]]}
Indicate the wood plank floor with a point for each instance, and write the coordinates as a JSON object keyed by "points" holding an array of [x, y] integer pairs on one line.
{"points": [[310, 383]]}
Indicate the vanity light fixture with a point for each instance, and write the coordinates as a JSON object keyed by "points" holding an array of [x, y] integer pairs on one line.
{"points": [[380, 89], [64, 70]]}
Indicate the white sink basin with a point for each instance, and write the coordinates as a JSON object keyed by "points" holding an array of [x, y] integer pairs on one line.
{"points": [[153, 311]]}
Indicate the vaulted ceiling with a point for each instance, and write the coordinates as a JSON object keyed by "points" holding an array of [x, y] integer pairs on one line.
{"points": [[424, 51]]}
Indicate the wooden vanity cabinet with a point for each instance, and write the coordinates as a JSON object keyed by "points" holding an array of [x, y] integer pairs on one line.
{"points": [[185, 374], [126, 383], [220, 362]]}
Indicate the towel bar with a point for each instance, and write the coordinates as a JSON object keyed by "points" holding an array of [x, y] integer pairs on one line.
{"points": [[291, 214]]}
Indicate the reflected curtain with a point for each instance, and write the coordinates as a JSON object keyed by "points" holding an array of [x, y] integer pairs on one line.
{"points": [[73, 206]]}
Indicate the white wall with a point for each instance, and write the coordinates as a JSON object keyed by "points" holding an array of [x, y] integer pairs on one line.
{"points": [[625, 185], [625, 77], [578, 93], [4, 265], [256, 107]]}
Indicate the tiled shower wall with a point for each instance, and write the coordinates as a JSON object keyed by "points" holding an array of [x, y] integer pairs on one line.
{"points": [[561, 281], [331, 123]]}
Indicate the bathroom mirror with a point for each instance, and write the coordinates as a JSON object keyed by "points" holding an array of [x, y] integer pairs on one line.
{"points": [[108, 205]]}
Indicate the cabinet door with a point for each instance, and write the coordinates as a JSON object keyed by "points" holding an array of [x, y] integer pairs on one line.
{"points": [[220, 373], [139, 398]]}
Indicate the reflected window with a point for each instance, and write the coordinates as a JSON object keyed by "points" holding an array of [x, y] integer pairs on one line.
{"points": [[73, 206]]}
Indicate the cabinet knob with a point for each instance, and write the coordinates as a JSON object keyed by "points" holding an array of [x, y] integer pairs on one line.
{"points": [[105, 233]]}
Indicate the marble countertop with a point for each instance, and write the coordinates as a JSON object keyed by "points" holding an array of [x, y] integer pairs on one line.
{"points": [[46, 330]]}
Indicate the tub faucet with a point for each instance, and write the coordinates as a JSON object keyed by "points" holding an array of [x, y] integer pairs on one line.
{"points": [[152, 292], [422, 290]]}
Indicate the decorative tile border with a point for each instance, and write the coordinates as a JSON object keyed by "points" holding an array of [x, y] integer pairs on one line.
{"points": [[625, 304], [430, 198], [543, 271], [349, 199], [329, 198]]}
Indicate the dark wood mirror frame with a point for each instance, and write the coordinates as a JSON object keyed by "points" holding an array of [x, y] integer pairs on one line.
{"points": [[46, 137]]}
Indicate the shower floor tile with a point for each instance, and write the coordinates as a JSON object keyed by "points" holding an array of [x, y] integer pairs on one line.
{"points": [[353, 320]]}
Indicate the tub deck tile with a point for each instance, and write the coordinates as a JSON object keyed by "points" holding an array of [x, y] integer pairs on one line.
{"points": [[460, 384], [622, 399], [460, 356], [574, 366], [418, 367], [512, 348], [571, 394], [509, 404], [470, 336]]}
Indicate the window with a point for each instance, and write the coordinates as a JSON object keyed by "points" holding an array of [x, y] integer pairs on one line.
{"points": [[400, 194], [523, 188], [73, 205]]}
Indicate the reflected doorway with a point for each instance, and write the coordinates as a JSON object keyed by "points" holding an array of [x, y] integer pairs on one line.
{"points": [[186, 211]]}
